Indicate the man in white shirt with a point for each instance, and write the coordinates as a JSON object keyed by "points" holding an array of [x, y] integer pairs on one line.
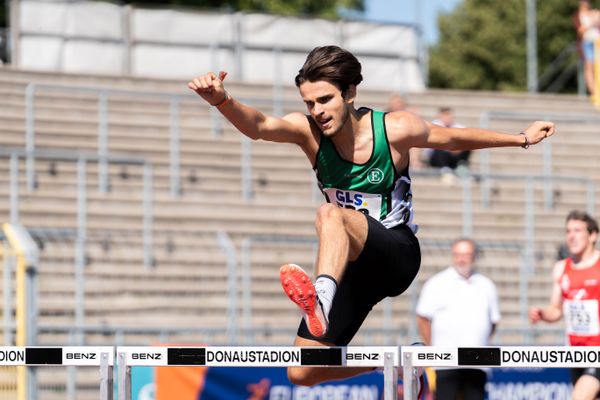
{"points": [[459, 307]]}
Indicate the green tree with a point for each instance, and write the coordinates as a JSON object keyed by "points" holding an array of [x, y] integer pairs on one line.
{"points": [[483, 43], [320, 8]]}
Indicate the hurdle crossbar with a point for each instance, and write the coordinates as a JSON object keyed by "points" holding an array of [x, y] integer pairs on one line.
{"points": [[415, 357], [386, 357], [46, 356], [390, 358]]}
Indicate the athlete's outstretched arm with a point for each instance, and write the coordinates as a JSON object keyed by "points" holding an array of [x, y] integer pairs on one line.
{"points": [[474, 138], [248, 120], [416, 132]]}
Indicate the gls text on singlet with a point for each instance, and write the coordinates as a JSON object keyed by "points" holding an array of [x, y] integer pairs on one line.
{"points": [[375, 187]]}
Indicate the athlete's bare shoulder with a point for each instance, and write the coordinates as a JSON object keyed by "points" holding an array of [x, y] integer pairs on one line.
{"points": [[558, 270], [308, 131], [300, 125], [298, 119], [404, 127]]}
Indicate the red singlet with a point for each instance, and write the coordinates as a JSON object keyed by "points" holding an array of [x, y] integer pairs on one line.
{"points": [[581, 295]]}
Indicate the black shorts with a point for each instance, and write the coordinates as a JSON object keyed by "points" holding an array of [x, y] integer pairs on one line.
{"points": [[466, 384], [386, 267]]}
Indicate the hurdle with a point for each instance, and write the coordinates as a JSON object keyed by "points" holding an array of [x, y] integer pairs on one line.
{"points": [[390, 358], [42, 356], [414, 357], [387, 357]]}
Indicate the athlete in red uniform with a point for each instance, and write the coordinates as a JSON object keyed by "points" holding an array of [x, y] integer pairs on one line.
{"points": [[575, 295]]}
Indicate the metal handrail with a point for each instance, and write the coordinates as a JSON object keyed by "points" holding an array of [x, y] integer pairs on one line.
{"points": [[526, 252], [103, 95], [558, 65], [547, 154], [81, 158]]}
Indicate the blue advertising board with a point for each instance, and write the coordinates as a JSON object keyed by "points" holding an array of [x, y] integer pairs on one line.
{"points": [[273, 384]]}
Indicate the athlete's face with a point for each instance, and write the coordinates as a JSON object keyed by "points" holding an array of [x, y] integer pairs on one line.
{"points": [[326, 105], [579, 240]]}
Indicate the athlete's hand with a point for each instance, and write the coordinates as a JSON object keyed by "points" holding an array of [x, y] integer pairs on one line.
{"points": [[535, 314], [210, 87], [539, 131]]}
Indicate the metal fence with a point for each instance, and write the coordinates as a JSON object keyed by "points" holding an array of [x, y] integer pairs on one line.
{"points": [[81, 160], [395, 316], [103, 96], [248, 278], [278, 104]]}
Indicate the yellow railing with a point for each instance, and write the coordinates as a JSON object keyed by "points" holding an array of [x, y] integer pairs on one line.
{"points": [[18, 251], [596, 95], [8, 375]]}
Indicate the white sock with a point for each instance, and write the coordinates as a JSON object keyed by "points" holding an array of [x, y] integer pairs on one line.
{"points": [[326, 286]]}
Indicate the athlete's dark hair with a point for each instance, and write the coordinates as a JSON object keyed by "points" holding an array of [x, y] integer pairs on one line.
{"points": [[592, 225], [331, 64]]}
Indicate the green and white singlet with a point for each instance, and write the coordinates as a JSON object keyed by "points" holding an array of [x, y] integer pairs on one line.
{"points": [[375, 187]]}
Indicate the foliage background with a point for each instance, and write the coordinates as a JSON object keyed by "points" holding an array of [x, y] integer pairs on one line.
{"points": [[315, 8], [483, 44]]}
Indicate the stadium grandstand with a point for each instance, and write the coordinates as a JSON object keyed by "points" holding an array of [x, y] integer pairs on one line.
{"points": [[155, 221]]}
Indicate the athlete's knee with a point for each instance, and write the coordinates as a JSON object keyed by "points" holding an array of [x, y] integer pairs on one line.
{"points": [[328, 213], [303, 376]]}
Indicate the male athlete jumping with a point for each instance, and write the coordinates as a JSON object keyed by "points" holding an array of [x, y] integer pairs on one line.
{"points": [[367, 246]]}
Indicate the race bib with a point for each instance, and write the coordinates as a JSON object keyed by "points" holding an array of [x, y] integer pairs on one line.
{"points": [[581, 317], [367, 203]]}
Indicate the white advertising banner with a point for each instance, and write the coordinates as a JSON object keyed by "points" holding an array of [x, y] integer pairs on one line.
{"points": [[104, 38]]}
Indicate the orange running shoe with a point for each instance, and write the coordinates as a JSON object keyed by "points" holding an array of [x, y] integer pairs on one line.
{"points": [[300, 289]]}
